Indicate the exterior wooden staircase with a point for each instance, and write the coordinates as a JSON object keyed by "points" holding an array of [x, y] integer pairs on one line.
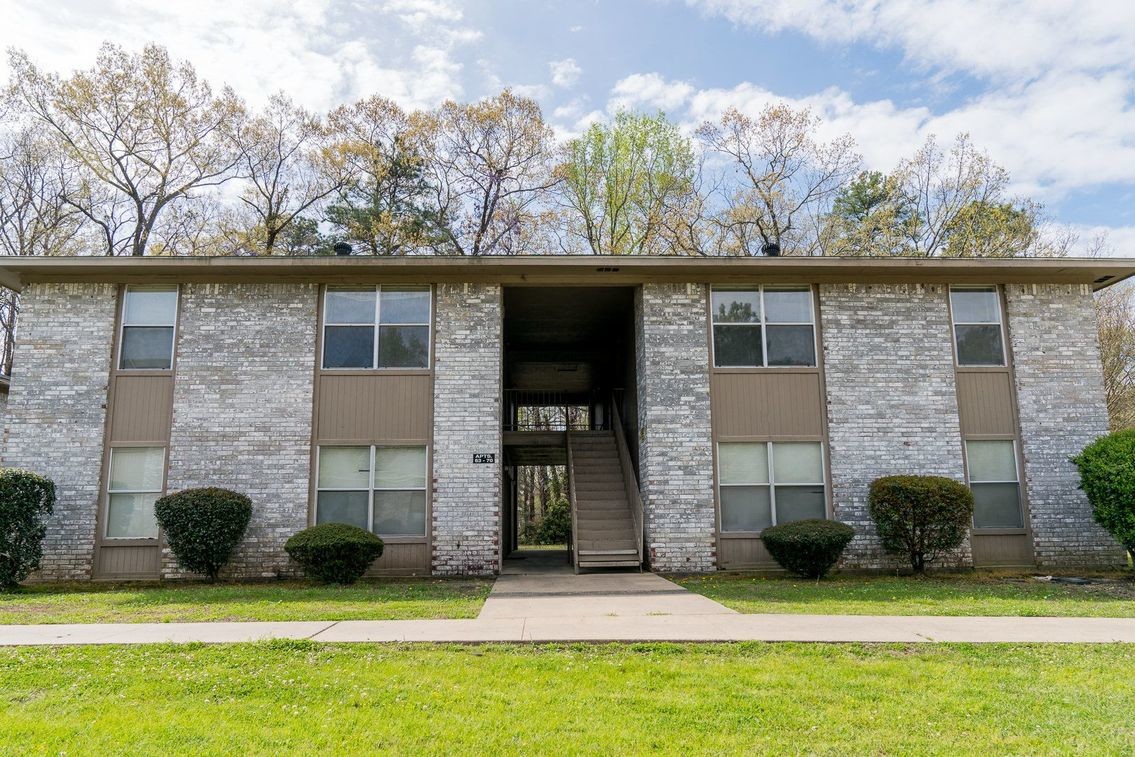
{"points": [[606, 526]]}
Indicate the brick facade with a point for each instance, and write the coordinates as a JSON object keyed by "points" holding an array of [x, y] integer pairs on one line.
{"points": [[57, 411], [892, 406], [242, 409], [1052, 330], [675, 440], [467, 496]]}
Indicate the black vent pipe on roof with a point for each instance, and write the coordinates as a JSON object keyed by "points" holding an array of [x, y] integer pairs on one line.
{"points": [[771, 249], [342, 248]]}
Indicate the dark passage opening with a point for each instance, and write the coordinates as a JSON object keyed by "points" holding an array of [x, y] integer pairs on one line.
{"points": [[569, 357]]}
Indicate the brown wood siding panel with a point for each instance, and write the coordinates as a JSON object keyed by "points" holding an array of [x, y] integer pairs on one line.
{"points": [[985, 403], [373, 408], [744, 554], [128, 561], [402, 559], [767, 404], [1002, 550], [141, 409]]}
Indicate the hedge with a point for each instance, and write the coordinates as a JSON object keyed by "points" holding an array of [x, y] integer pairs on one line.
{"points": [[26, 499], [808, 547], [1107, 476], [920, 517], [334, 552], [203, 526]]}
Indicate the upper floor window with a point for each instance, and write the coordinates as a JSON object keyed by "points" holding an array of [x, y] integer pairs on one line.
{"points": [[381, 489], [376, 327], [762, 484], [977, 325], [148, 318], [992, 466], [763, 327]]}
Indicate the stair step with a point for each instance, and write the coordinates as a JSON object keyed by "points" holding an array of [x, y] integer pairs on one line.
{"points": [[613, 552], [621, 546]]}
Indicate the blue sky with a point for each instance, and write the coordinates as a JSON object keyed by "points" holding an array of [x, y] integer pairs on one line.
{"points": [[1046, 86]]}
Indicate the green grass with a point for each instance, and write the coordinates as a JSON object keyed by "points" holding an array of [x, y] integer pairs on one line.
{"points": [[386, 599], [302, 697], [963, 594]]}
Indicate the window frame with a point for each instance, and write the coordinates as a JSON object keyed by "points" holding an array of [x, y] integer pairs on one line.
{"points": [[122, 326], [371, 489], [762, 324], [771, 484], [954, 323], [107, 492], [376, 324], [1017, 469]]}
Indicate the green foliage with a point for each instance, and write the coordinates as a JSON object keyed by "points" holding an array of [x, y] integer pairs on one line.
{"points": [[629, 185], [555, 527], [920, 517], [203, 526], [872, 216], [26, 499], [992, 230], [1107, 476], [808, 547], [334, 552]]}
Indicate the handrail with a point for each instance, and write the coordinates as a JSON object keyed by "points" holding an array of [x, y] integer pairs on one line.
{"points": [[630, 483], [573, 545]]}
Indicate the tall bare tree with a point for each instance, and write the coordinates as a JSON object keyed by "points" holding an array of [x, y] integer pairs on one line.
{"points": [[144, 133], [782, 178], [490, 165], [1115, 315], [284, 165]]}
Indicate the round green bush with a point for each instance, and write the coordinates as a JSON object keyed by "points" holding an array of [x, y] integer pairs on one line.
{"points": [[920, 517], [1107, 476], [555, 527], [808, 547], [334, 552], [203, 526], [26, 499]]}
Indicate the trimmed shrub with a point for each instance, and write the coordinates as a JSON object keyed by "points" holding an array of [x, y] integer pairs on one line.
{"points": [[26, 499], [203, 526], [920, 517], [808, 547], [555, 527], [334, 553], [1107, 476]]}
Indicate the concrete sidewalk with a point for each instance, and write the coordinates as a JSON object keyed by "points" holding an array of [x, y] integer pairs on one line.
{"points": [[704, 628]]}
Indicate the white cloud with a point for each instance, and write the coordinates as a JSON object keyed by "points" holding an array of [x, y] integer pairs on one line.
{"points": [[565, 73], [646, 91]]}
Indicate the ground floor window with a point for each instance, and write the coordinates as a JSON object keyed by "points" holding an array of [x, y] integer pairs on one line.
{"points": [[996, 486], [761, 484], [135, 482], [381, 489]]}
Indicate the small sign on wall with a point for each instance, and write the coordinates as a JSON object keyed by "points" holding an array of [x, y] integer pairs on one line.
{"points": [[484, 457]]}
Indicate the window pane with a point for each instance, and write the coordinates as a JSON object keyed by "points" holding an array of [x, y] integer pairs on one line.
{"points": [[788, 306], [131, 516], [404, 347], [147, 347], [342, 507], [736, 307], [150, 307], [400, 468], [980, 345], [400, 513], [137, 468], [991, 461], [745, 508], [348, 347], [975, 305], [799, 503], [797, 463], [742, 463], [344, 306], [737, 345], [791, 345], [405, 306], [344, 468], [997, 506]]}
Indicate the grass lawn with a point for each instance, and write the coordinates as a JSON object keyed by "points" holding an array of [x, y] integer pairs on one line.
{"points": [[302, 697], [961, 594], [380, 599]]}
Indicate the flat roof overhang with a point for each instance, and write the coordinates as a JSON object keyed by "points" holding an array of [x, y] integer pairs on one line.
{"points": [[592, 270]]}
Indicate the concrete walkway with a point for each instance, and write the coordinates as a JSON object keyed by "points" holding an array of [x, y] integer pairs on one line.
{"points": [[542, 601]]}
